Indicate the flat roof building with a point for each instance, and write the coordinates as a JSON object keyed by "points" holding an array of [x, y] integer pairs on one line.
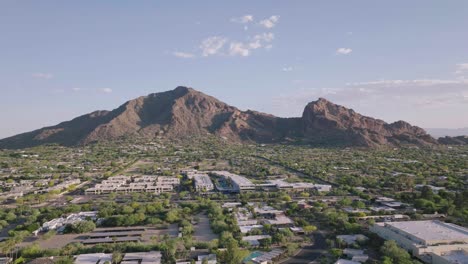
{"points": [[425, 239], [202, 182], [152, 257], [450, 257], [239, 183], [127, 184], [94, 258]]}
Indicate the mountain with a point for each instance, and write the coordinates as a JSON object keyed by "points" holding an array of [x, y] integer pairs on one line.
{"points": [[185, 112], [460, 140], [443, 132]]}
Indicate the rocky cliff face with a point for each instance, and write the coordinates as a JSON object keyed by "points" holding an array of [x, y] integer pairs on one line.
{"points": [[184, 112], [325, 121]]}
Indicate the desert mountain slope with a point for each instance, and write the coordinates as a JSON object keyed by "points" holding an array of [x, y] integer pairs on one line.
{"points": [[185, 112]]}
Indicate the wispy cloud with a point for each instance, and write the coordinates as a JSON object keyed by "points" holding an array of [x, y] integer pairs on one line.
{"points": [[461, 68], [106, 90], [212, 45], [222, 45], [415, 82], [431, 93], [343, 51], [183, 55], [41, 75], [287, 69], [257, 42], [239, 49], [269, 22], [243, 19], [76, 89]]}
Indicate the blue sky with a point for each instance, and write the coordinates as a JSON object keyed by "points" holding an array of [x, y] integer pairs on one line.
{"points": [[388, 59]]}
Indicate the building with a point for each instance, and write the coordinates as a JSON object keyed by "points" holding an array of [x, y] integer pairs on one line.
{"points": [[298, 186], [356, 255], [450, 257], [238, 183], [254, 241], [208, 259], [264, 257], [5, 260], [434, 189], [431, 241], [152, 257], [203, 183], [351, 239], [127, 184], [93, 258], [60, 223], [345, 261]]}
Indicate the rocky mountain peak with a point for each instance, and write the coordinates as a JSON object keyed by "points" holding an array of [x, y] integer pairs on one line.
{"points": [[185, 112]]}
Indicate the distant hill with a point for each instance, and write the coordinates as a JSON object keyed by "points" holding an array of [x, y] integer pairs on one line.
{"points": [[443, 132], [185, 112], [459, 140]]}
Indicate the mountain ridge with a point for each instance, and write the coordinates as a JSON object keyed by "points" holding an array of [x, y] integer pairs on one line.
{"points": [[184, 112]]}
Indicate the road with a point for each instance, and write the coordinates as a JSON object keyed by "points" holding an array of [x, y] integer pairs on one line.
{"points": [[311, 252]]}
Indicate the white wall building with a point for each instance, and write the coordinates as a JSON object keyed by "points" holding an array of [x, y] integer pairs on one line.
{"points": [[127, 184], [239, 183], [203, 182], [428, 240]]}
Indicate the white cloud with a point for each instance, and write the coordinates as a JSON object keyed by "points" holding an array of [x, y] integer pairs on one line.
{"points": [[212, 45], [243, 19], [270, 22], [287, 69], [106, 90], [76, 89], [462, 68], [244, 49], [255, 44], [428, 102], [41, 75], [239, 49], [419, 92], [267, 37], [343, 51], [183, 55]]}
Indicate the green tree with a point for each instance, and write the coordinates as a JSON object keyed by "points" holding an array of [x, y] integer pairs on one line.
{"points": [[391, 250], [426, 193], [309, 229], [80, 227]]}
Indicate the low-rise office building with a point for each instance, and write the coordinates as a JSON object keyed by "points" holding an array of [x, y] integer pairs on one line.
{"points": [[429, 241], [127, 184], [238, 183], [203, 182]]}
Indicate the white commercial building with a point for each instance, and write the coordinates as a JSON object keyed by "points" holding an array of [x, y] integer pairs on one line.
{"points": [[239, 183], [280, 184], [127, 184], [432, 241], [203, 182]]}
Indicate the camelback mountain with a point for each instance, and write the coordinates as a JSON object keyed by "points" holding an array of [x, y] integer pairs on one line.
{"points": [[185, 112]]}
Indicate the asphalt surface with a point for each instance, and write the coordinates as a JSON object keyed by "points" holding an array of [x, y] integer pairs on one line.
{"points": [[311, 252]]}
